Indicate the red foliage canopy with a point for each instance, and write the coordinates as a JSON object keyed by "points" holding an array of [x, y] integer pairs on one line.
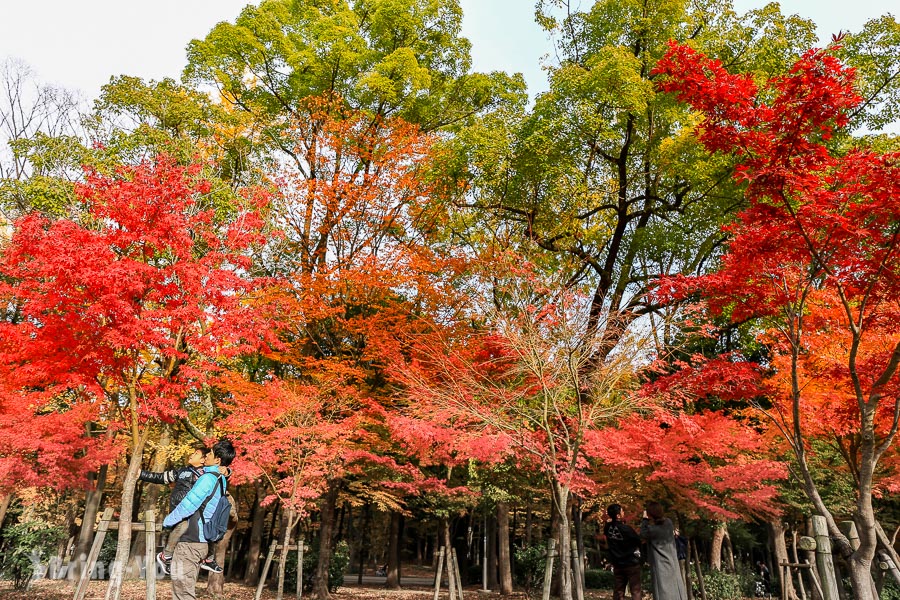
{"points": [[120, 316]]}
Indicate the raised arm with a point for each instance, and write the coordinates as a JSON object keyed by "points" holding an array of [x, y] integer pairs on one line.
{"points": [[160, 477]]}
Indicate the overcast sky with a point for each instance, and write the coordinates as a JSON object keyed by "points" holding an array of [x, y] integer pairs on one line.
{"points": [[80, 44]]}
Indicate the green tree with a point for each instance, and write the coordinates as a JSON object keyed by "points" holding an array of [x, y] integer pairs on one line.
{"points": [[392, 58]]}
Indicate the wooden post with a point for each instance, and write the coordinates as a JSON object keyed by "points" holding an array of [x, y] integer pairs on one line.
{"points": [[85, 579], [456, 574], [548, 568], [265, 573], [438, 575], [797, 560], [886, 563], [848, 528], [815, 579], [451, 572], [693, 544], [576, 572], [824, 562], [484, 560], [150, 553], [282, 560], [783, 573], [300, 545]]}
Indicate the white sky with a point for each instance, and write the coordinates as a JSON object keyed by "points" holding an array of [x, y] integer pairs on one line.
{"points": [[79, 44]]}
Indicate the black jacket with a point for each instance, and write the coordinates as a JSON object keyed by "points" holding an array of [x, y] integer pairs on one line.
{"points": [[184, 479], [624, 544]]}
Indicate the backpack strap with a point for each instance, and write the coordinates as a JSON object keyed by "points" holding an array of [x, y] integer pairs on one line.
{"points": [[208, 498]]}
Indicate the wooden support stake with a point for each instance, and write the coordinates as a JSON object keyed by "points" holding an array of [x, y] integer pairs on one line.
{"points": [[438, 575], [548, 568], [300, 545], [815, 579], [459, 587], [693, 544], [150, 553], [799, 573], [824, 562], [85, 579], [265, 572], [451, 573], [576, 571]]}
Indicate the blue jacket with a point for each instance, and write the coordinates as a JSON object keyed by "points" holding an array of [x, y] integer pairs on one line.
{"points": [[207, 484]]}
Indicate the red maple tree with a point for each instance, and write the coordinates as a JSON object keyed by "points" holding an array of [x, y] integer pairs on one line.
{"points": [[814, 258], [122, 316]]}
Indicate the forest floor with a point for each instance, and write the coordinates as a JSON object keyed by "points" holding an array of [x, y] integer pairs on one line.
{"points": [[135, 590]]}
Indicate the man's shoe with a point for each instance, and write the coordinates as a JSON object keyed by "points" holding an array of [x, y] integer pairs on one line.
{"points": [[164, 561], [210, 565]]}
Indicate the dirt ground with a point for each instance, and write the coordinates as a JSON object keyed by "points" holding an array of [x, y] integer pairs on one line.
{"points": [[135, 590]]}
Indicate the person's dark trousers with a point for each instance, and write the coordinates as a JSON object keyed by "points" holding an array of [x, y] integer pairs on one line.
{"points": [[630, 576]]}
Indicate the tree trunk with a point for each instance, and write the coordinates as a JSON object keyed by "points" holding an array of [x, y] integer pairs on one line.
{"points": [[434, 550], [860, 562], [561, 505], [491, 553], [579, 538], [715, 551], [251, 575], [326, 528], [420, 549], [117, 572], [503, 554], [779, 546], [5, 501], [363, 543], [216, 582], [91, 507], [729, 553], [529, 520], [393, 558], [152, 495], [287, 526]]}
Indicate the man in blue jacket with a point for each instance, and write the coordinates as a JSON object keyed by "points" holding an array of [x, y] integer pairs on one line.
{"points": [[191, 549]]}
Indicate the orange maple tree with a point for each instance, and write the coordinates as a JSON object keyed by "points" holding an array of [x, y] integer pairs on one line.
{"points": [[354, 209]]}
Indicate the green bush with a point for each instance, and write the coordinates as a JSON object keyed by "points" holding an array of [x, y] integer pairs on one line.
{"points": [[24, 545], [890, 591], [598, 579], [107, 555], [528, 566], [729, 586], [340, 559]]}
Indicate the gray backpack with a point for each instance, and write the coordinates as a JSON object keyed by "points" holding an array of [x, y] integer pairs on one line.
{"points": [[214, 529]]}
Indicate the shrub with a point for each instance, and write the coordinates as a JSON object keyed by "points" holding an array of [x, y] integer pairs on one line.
{"points": [[890, 591], [599, 579], [728, 586], [25, 545], [340, 559], [528, 566]]}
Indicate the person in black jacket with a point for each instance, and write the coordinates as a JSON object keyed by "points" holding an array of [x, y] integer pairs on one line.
{"points": [[624, 547], [184, 479]]}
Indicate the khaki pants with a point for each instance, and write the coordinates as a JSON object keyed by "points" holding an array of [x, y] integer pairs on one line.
{"points": [[175, 535], [186, 568]]}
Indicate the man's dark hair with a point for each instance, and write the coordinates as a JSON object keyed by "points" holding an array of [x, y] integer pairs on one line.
{"points": [[655, 511], [224, 451], [201, 448], [614, 510]]}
